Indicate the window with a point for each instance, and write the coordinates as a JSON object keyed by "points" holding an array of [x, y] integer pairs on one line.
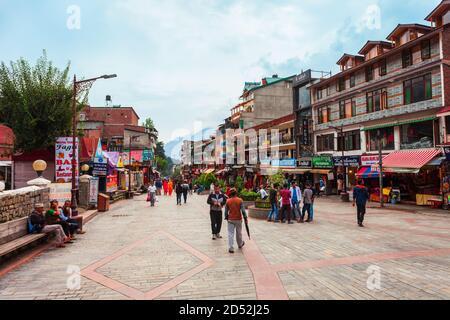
{"points": [[347, 108], [325, 143], [369, 73], [353, 107], [376, 100], [417, 135], [382, 68], [418, 89], [426, 49], [323, 115], [387, 139], [341, 109], [352, 80], [351, 141], [407, 59], [328, 91], [341, 84], [319, 94]]}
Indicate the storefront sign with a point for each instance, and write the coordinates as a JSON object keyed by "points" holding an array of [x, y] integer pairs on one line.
{"points": [[147, 155], [322, 162], [349, 161], [64, 158], [284, 163], [61, 192], [307, 164], [111, 183], [305, 132], [367, 161], [136, 156], [93, 190], [100, 167]]}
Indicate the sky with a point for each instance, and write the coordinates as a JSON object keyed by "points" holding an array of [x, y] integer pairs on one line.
{"points": [[184, 63]]}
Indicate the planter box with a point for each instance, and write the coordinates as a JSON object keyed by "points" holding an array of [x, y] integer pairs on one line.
{"points": [[258, 213], [247, 204]]}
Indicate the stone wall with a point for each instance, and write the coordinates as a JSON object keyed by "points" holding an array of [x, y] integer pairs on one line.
{"points": [[20, 203]]}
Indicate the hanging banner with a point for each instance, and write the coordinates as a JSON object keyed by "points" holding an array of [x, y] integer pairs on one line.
{"points": [[125, 158], [111, 183], [63, 159], [136, 156]]}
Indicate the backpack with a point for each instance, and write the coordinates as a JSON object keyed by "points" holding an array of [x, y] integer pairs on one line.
{"points": [[31, 227]]}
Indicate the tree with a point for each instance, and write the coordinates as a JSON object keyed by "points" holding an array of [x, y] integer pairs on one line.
{"points": [[277, 178], [149, 124], [35, 101], [160, 152], [161, 164]]}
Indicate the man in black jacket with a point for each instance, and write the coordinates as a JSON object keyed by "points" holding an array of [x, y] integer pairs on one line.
{"points": [[217, 201]]}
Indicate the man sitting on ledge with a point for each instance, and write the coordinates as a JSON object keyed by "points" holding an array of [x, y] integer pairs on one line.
{"points": [[39, 224]]}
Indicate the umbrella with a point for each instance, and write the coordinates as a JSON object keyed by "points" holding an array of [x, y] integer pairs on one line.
{"points": [[247, 228]]}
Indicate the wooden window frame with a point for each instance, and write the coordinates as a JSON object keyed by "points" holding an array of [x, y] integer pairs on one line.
{"points": [[425, 49]]}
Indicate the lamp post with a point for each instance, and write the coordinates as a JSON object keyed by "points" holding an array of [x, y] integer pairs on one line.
{"points": [[380, 163], [130, 193], [39, 166], [79, 87]]}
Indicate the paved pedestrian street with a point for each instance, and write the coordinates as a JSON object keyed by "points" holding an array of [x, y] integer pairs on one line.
{"points": [[137, 252]]}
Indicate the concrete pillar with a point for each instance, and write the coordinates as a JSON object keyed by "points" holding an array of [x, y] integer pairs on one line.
{"points": [[397, 140], [84, 189], [363, 139]]}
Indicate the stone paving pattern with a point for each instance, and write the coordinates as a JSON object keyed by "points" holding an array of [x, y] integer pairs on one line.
{"points": [[138, 252]]}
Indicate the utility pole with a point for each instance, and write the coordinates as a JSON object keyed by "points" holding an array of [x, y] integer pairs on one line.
{"points": [[380, 155]]}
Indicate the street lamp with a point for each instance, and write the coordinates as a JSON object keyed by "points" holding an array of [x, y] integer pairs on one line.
{"points": [[79, 87], [39, 166], [130, 193]]}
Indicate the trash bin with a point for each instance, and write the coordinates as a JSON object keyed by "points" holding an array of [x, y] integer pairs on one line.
{"points": [[103, 202]]}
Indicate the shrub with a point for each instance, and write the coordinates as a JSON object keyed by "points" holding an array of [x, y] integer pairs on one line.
{"points": [[249, 195]]}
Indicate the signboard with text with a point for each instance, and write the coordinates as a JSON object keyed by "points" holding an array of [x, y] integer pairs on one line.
{"points": [[322, 162], [349, 161], [367, 161], [63, 159], [60, 192]]}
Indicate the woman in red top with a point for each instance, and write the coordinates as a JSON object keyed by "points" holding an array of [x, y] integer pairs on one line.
{"points": [[285, 204]]}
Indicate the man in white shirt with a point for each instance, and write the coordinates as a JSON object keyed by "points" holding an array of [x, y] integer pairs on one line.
{"points": [[263, 193], [152, 194], [296, 199]]}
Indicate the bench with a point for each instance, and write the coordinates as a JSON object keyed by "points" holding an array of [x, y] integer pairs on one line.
{"points": [[14, 236]]}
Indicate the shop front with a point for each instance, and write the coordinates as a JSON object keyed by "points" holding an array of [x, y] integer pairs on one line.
{"points": [[346, 169], [323, 174], [414, 177]]}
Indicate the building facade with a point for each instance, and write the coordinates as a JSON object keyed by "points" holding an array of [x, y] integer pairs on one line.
{"points": [[392, 94]]}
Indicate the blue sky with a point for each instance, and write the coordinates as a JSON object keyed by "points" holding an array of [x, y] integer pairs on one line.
{"points": [[185, 61]]}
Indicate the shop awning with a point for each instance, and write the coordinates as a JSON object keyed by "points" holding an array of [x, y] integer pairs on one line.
{"points": [[436, 162], [367, 172], [414, 159], [296, 171], [220, 172], [209, 171]]}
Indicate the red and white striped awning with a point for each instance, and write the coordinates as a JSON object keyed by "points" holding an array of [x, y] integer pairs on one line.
{"points": [[414, 159]]}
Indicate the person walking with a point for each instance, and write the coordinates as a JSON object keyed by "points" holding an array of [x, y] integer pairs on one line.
{"points": [[296, 199], [360, 198], [273, 198], [308, 200], [170, 187], [152, 191], [166, 187], [285, 205], [263, 193], [178, 192], [234, 212], [159, 186], [185, 187], [217, 201]]}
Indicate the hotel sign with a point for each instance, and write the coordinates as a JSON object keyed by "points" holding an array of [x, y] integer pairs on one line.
{"points": [[302, 78], [349, 161]]}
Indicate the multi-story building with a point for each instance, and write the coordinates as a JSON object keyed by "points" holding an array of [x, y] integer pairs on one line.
{"points": [[263, 101], [393, 92]]}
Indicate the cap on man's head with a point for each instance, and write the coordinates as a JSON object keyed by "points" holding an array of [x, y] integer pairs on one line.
{"points": [[39, 205]]}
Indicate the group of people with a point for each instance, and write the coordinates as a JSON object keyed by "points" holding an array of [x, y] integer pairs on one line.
{"points": [[182, 189], [57, 220], [235, 214], [286, 203]]}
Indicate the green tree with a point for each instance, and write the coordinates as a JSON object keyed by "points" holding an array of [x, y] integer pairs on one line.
{"points": [[35, 101], [149, 124], [277, 178], [160, 152], [162, 164]]}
